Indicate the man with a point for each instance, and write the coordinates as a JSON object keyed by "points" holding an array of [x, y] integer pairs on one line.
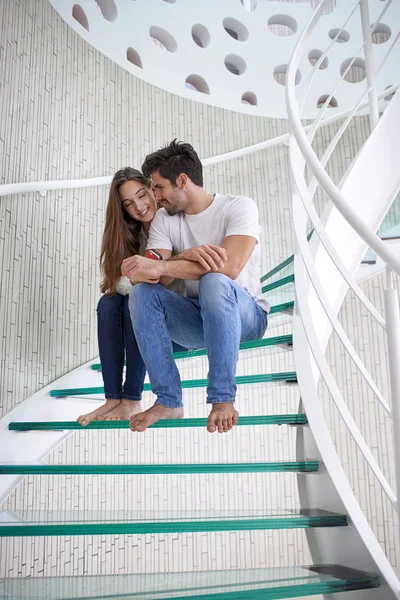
{"points": [[217, 239]]}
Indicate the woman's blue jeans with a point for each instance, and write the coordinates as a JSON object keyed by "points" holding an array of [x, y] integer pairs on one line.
{"points": [[116, 339], [117, 342]]}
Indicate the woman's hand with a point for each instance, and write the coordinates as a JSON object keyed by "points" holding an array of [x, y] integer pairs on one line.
{"points": [[140, 269]]}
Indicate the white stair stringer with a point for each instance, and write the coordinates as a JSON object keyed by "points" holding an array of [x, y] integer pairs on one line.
{"points": [[370, 186]]}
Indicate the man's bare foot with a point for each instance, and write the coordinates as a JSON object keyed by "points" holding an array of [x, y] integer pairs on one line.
{"points": [[124, 411], [150, 416], [222, 417], [99, 413]]}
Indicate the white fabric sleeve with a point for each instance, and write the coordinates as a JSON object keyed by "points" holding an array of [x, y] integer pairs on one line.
{"points": [[243, 218], [123, 286], [159, 234]]}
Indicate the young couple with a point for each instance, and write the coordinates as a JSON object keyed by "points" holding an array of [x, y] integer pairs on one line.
{"points": [[204, 293]]}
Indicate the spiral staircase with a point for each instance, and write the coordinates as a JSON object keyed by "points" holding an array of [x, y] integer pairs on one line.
{"points": [[306, 292]]}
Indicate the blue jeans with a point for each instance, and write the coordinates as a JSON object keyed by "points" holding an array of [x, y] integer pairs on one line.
{"points": [[117, 342], [116, 337], [223, 316]]}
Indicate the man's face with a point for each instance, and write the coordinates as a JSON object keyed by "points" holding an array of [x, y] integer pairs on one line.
{"points": [[172, 198]]}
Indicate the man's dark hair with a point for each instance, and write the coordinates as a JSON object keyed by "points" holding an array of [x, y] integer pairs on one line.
{"points": [[174, 159]]}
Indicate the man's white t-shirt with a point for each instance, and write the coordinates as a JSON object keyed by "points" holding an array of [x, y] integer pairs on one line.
{"points": [[226, 215]]}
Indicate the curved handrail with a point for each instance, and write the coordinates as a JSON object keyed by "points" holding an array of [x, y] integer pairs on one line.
{"points": [[314, 306], [10, 189], [339, 200]]}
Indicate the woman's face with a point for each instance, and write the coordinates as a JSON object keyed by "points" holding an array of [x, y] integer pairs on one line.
{"points": [[138, 201]]}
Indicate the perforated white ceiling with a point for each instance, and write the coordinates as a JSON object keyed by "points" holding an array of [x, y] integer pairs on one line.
{"points": [[234, 53]]}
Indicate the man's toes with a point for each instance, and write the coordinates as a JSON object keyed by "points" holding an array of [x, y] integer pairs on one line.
{"points": [[211, 427]]}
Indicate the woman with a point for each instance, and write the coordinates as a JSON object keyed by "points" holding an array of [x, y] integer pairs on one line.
{"points": [[130, 211]]}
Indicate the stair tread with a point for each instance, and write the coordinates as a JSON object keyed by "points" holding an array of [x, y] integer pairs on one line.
{"points": [[269, 344], [37, 468], [101, 522], [244, 584], [286, 419], [186, 383]]}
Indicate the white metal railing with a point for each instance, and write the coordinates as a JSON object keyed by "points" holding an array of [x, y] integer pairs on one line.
{"points": [[10, 189], [323, 273]]}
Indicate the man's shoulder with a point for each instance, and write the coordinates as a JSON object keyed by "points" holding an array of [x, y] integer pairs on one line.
{"points": [[232, 203], [232, 199]]}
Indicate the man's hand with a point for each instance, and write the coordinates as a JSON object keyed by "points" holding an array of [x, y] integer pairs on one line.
{"points": [[210, 257], [140, 269]]}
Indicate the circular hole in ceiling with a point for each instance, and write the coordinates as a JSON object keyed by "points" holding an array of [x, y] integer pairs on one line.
{"points": [[134, 58], [330, 7], [163, 39], [356, 72], [235, 64], [333, 103], [381, 34], [341, 38], [314, 56], [197, 83], [108, 9], [249, 98], [79, 15], [282, 25], [280, 75], [249, 5], [235, 29], [200, 35], [170, 1]]}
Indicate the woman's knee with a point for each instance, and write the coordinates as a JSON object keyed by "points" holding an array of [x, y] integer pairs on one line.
{"points": [[108, 305]]}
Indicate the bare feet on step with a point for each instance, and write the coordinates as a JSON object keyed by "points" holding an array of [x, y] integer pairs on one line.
{"points": [[124, 411], [222, 417], [99, 413], [157, 412]]}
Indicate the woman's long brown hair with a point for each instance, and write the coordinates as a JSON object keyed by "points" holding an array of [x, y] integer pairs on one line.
{"points": [[121, 237]]}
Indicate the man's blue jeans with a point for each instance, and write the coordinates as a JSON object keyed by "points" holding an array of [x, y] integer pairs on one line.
{"points": [[223, 316]]}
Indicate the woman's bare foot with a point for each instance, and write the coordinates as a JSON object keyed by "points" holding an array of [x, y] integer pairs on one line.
{"points": [[99, 413], [124, 411], [150, 416], [222, 417]]}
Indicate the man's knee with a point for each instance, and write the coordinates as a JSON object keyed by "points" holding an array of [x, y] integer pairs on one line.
{"points": [[214, 288]]}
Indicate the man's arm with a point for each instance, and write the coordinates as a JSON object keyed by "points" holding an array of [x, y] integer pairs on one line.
{"points": [[238, 250]]}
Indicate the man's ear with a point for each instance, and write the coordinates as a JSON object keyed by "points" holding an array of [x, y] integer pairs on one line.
{"points": [[182, 180]]}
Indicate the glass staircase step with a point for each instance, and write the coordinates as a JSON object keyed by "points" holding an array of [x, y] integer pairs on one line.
{"points": [[294, 419], [278, 283], [273, 343], [245, 584], [305, 466], [188, 383], [45, 523], [279, 271]]}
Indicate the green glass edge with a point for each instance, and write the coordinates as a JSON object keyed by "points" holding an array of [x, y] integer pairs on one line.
{"points": [[82, 528], [188, 383], [286, 306], [284, 591], [158, 469], [278, 268], [272, 341], [289, 419], [278, 283], [283, 264]]}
